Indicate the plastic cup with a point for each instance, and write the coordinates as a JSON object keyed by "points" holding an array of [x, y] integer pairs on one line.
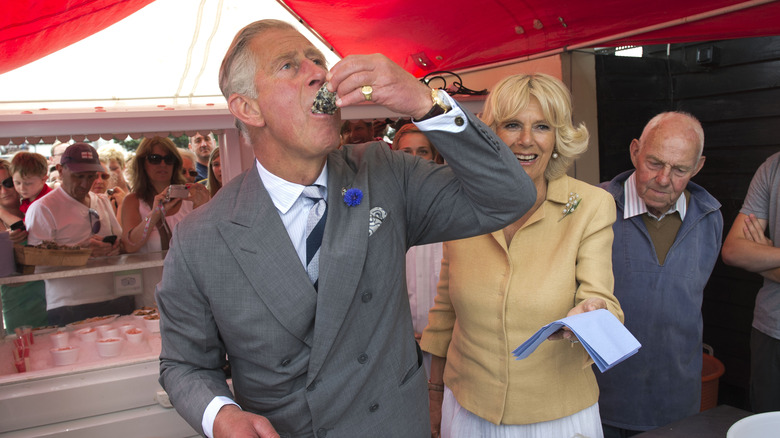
{"points": [[65, 355], [152, 323], [103, 328], [109, 347], [27, 333], [89, 334], [134, 335], [59, 339], [19, 361]]}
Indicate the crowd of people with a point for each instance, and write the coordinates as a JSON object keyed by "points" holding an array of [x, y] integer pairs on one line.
{"points": [[294, 272], [83, 197]]}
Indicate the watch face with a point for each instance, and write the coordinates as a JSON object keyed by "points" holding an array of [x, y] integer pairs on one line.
{"points": [[439, 101]]}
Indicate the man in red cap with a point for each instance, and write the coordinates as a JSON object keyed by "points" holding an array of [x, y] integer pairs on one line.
{"points": [[71, 215]]}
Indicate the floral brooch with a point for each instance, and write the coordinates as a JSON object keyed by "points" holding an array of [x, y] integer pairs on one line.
{"points": [[571, 205], [352, 197]]}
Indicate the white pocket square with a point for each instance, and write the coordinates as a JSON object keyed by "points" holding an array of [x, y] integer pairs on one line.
{"points": [[375, 218]]}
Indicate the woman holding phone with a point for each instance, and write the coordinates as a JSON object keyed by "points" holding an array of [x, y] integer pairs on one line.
{"points": [[159, 200], [23, 303]]}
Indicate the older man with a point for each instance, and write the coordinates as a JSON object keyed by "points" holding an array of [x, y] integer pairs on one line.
{"points": [[296, 270], [57, 150], [71, 215], [202, 145], [667, 238]]}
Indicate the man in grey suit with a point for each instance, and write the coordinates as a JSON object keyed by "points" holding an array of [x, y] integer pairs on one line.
{"points": [[329, 352]]}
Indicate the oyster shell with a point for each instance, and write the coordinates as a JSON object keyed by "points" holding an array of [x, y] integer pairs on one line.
{"points": [[324, 102]]}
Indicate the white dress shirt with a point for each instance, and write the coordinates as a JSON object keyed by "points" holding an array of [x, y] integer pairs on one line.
{"points": [[294, 210]]}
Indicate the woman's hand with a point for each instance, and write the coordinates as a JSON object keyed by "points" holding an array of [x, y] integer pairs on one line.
{"points": [[588, 305], [435, 399], [162, 203], [117, 196], [17, 236], [199, 194], [436, 393]]}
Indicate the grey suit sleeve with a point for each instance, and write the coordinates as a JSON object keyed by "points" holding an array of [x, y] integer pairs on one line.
{"points": [[481, 189], [192, 354]]}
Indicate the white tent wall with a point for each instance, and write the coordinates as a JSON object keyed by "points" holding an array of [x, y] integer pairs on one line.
{"points": [[168, 53], [155, 72]]}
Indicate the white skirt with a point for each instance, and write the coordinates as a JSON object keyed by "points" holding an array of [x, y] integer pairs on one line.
{"points": [[457, 422]]}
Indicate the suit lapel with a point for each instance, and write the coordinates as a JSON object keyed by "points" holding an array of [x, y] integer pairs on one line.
{"points": [[342, 256], [255, 235]]}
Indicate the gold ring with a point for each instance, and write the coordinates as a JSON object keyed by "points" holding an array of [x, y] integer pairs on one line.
{"points": [[367, 90]]}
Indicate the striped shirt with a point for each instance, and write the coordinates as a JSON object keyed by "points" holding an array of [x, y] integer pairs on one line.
{"points": [[635, 206], [292, 207]]}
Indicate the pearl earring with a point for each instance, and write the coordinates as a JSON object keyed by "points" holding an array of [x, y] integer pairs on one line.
{"points": [[555, 155]]}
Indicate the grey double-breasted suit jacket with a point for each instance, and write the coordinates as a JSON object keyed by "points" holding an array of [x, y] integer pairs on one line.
{"points": [[342, 362]]}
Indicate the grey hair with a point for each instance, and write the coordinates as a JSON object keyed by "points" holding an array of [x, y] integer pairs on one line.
{"points": [[694, 123], [236, 75], [186, 153]]}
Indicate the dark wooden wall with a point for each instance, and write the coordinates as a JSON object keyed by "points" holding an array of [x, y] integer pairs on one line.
{"points": [[737, 99]]}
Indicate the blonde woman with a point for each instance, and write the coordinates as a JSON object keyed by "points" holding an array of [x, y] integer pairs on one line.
{"points": [[498, 289], [214, 181]]}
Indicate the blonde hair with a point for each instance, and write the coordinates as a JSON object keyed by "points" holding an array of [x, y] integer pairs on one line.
{"points": [[112, 152], [212, 183], [186, 153], [513, 94]]}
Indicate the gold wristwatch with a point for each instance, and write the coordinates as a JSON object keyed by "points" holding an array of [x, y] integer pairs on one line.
{"points": [[440, 106]]}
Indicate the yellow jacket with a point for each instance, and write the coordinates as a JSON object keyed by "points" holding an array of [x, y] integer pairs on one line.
{"points": [[491, 299]]}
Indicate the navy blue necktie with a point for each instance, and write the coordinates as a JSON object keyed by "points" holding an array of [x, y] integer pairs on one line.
{"points": [[315, 227]]}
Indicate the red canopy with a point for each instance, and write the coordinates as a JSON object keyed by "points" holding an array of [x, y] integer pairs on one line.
{"points": [[434, 35], [33, 29]]}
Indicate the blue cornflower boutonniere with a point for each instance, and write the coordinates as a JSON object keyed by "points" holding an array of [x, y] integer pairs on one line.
{"points": [[571, 205], [352, 197]]}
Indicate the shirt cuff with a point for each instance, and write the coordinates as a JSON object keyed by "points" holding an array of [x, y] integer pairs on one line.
{"points": [[454, 120], [210, 414]]}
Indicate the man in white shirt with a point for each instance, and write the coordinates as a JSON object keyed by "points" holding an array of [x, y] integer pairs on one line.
{"points": [[71, 215]]}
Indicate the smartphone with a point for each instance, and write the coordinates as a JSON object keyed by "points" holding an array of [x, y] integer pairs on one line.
{"points": [[110, 239], [19, 225], [178, 191]]}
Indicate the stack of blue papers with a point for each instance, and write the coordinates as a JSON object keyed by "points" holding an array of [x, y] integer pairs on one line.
{"points": [[605, 339]]}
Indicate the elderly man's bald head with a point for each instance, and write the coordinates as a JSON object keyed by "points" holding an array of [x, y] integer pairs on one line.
{"points": [[676, 123], [666, 157]]}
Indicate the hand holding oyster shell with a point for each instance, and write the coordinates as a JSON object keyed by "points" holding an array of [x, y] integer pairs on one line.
{"points": [[324, 101]]}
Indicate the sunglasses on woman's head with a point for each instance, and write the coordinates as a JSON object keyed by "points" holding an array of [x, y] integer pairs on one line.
{"points": [[8, 183], [157, 159], [191, 172]]}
